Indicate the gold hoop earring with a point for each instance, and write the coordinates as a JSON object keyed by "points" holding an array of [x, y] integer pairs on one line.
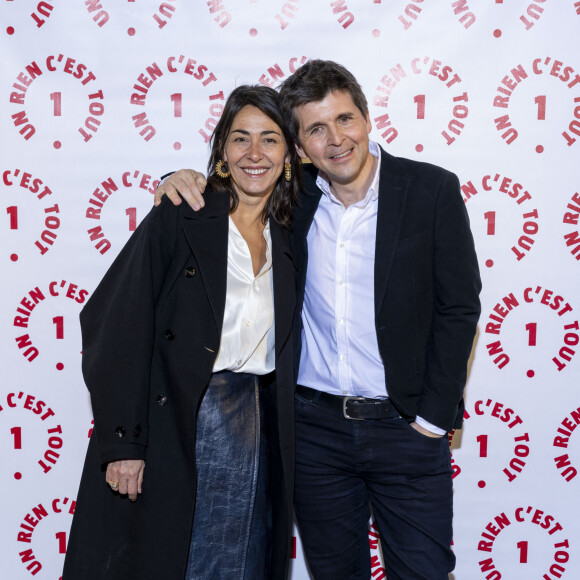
{"points": [[287, 172], [222, 170]]}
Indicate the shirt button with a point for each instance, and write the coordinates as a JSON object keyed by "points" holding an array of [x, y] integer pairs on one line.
{"points": [[340, 282], [161, 400], [340, 321], [248, 323], [342, 244], [239, 362], [342, 357]]}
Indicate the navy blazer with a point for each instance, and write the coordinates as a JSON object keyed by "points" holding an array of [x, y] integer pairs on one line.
{"points": [[426, 285]]}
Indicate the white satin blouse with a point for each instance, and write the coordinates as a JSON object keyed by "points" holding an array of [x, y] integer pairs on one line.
{"points": [[247, 341]]}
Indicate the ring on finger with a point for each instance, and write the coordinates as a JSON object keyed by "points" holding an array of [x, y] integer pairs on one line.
{"points": [[114, 485]]}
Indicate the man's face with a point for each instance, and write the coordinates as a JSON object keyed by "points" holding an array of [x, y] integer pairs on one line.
{"points": [[334, 134]]}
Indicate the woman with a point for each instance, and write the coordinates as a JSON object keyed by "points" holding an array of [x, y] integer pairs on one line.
{"points": [[179, 349]]}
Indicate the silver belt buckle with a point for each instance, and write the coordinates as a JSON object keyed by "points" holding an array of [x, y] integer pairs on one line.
{"points": [[345, 400]]}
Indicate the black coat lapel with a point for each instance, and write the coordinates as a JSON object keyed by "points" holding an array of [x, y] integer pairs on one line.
{"points": [[207, 235], [284, 272], [393, 187]]}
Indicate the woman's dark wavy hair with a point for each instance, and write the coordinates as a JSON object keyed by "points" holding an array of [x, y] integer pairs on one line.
{"points": [[285, 193]]}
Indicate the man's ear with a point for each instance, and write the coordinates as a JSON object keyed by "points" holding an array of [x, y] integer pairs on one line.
{"points": [[369, 124], [301, 152]]}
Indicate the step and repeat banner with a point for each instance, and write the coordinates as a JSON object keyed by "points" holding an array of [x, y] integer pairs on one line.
{"points": [[101, 97]]}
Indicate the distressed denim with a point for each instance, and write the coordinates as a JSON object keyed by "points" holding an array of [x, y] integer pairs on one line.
{"points": [[232, 521]]}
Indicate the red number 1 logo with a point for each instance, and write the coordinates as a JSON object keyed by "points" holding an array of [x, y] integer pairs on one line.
{"points": [[61, 537], [58, 321], [12, 212], [540, 100], [56, 98], [490, 218], [420, 100], [532, 328], [16, 432], [132, 213]]}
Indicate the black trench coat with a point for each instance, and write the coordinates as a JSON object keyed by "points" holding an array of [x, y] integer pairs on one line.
{"points": [[151, 333]]}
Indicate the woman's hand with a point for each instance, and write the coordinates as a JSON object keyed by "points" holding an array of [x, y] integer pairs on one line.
{"points": [[128, 475]]}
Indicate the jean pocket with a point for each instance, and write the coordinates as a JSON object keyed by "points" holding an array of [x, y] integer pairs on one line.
{"points": [[415, 433]]}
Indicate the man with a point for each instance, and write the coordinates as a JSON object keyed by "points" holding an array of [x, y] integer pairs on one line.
{"points": [[388, 285]]}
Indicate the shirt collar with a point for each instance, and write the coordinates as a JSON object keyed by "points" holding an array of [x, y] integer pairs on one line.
{"points": [[235, 238], [372, 194]]}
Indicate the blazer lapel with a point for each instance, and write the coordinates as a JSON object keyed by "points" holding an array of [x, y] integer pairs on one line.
{"points": [[301, 222], [206, 232], [393, 187]]}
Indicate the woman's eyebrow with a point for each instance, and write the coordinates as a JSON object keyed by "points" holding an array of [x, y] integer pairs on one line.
{"points": [[244, 132]]}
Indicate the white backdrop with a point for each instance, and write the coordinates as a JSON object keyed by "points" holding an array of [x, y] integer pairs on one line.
{"points": [[100, 97]]}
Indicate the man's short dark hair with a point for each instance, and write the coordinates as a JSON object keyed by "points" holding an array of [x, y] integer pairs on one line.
{"points": [[313, 82]]}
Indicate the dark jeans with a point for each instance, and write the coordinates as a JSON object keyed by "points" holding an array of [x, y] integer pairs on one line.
{"points": [[342, 466], [232, 521]]}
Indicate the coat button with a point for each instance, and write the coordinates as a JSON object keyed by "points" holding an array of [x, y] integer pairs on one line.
{"points": [[189, 272], [137, 431], [161, 400], [120, 431], [169, 334]]}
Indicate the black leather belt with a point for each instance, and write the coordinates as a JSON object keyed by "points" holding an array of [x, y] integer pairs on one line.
{"points": [[357, 408]]}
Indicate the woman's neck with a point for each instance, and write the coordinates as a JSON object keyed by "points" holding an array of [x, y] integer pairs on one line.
{"points": [[248, 220]]}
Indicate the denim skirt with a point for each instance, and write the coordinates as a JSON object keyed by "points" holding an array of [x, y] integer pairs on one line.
{"points": [[231, 535]]}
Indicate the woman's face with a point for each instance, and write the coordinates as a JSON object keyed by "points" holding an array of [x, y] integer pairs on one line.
{"points": [[255, 151]]}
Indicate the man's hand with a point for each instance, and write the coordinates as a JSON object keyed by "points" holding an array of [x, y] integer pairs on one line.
{"points": [[424, 431], [189, 183], [128, 475]]}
